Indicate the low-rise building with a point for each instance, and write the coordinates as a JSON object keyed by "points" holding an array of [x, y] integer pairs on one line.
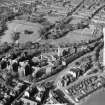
{"points": [[25, 101]]}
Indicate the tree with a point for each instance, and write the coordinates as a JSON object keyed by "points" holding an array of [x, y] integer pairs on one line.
{"points": [[15, 36], [6, 46], [9, 79]]}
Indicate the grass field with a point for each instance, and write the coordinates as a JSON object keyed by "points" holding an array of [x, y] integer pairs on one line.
{"points": [[75, 36], [20, 26], [53, 19]]}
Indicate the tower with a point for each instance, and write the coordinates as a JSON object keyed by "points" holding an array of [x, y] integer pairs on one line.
{"points": [[59, 51]]}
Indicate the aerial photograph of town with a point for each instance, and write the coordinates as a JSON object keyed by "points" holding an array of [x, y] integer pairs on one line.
{"points": [[52, 52]]}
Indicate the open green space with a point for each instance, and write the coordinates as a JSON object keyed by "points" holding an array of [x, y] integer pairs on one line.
{"points": [[21, 26]]}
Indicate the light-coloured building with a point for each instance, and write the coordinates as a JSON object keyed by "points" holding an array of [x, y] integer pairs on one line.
{"points": [[28, 101]]}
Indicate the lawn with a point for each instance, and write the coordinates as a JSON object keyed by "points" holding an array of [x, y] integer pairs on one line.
{"points": [[21, 26], [75, 36], [53, 19]]}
